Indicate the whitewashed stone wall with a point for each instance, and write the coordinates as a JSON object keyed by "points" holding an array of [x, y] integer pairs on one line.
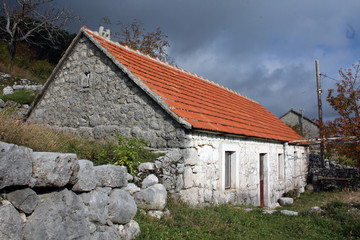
{"points": [[196, 175], [90, 96]]}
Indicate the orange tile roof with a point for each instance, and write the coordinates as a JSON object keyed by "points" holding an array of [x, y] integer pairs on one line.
{"points": [[200, 102]]}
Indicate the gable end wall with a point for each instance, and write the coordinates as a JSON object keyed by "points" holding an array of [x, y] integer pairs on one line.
{"points": [[93, 98]]}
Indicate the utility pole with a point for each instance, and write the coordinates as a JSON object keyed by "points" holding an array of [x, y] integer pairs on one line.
{"points": [[302, 122], [319, 91]]}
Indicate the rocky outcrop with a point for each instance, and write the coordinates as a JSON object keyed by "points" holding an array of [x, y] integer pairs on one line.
{"points": [[57, 196]]}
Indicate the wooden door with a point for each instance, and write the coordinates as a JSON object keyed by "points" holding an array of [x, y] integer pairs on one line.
{"points": [[262, 157]]}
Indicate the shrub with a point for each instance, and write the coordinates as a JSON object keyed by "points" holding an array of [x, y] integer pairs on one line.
{"points": [[129, 152]]}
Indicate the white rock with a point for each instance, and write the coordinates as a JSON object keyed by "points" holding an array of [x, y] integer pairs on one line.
{"points": [[290, 213], [129, 231], [155, 213], [149, 181], [131, 188], [268, 211], [8, 90], [315, 210], [285, 201], [143, 167]]}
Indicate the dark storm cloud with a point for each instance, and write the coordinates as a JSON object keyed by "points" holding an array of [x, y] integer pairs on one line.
{"points": [[262, 49]]}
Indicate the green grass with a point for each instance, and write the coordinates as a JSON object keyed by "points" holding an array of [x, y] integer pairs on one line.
{"points": [[21, 96], [233, 222]]}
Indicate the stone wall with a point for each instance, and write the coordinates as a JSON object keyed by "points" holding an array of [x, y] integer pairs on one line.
{"points": [[333, 177], [195, 173], [57, 196], [92, 97]]}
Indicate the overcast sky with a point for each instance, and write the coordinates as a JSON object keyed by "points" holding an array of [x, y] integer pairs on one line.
{"points": [[263, 49]]}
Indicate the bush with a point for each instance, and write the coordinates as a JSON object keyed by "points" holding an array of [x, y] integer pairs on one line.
{"points": [[22, 96], [129, 152]]}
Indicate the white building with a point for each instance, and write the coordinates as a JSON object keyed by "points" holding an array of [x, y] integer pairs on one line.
{"points": [[222, 147]]}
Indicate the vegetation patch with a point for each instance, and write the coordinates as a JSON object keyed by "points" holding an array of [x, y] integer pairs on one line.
{"points": [[21, 96], [121, 151], [233, 222]]}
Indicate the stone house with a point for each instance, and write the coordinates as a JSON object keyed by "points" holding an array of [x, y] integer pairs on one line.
{"points": [[309, 128], [221, 146]]}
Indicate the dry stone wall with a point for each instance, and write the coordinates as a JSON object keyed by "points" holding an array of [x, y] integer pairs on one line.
{"points": [[333, 176], [57, 196], [92, 97]]}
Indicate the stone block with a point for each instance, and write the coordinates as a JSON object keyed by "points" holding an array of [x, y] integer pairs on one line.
{"points": [[106, 233], [146, 166], [285, 201], [153, 197], [25, 199], [289, 213], [131, 188], [53, 169], [8, 90], [315, 210], [189, 178], [10, 222], [85, 179], [15, 165], [58, 215], [96, 202], [149, 181], [190, 156], [190, 196], [122, 207], [129, 231], [111, 176]]}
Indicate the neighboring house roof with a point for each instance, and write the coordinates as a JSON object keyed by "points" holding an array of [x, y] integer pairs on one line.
{"points": [[299, 114], [193, 101]]}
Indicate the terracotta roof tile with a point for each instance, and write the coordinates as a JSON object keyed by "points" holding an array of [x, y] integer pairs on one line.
{"points": [[200, 102]]}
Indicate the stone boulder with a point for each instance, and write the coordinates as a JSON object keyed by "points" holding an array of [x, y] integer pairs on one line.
{"points": [[10, 222], [152, 198], [15, 165], [146, 166], [149, 181], [8, 90], [129, 231], [315, 210], [85, 179], [289, 213], [53, 169], [25, 199], [96, 203], [131, 188], [122, 207], [286, 201], [106, 233], [58, 215], [111, 176]]}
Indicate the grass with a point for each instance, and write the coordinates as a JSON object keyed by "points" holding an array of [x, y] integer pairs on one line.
{"points": [[233, 222], [25, 64], [21, 96], [41, 138]]}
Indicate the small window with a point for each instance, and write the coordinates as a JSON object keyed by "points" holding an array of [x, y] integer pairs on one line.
{"points": [[281, 166], [229, 169], [86, 80]]}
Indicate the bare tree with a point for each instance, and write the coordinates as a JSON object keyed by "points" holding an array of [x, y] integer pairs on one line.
{"points": [[29, 20], [133, 35]]}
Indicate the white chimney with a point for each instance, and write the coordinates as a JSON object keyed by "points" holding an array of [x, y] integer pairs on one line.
{"points": [[101, 30]]}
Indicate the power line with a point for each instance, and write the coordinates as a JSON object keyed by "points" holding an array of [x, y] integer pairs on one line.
{"points": [[326, 76]]}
